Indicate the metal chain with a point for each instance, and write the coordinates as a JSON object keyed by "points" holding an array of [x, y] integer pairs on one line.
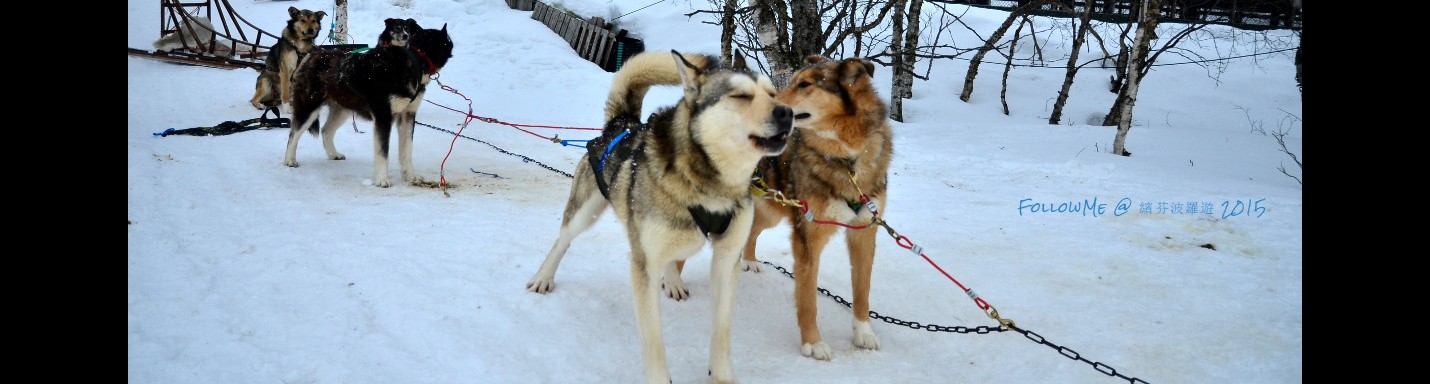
{"points": [[1071, 354], [982, 329], [523, 158]]}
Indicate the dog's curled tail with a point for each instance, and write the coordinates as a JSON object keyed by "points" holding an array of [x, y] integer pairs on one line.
{"points": [[644, 70]]}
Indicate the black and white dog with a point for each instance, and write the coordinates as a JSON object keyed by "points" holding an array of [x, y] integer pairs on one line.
{"points": [[383, 84]]}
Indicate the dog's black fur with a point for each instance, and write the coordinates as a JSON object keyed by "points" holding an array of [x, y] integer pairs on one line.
{"points": [[397, 32], [383, 84]]}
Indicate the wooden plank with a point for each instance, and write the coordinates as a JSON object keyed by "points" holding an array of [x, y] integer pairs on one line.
{"points": [[603, 49], [583, 41], [568, 30]]}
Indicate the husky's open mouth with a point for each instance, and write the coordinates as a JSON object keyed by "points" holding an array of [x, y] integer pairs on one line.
{"points": [[774, 143], [784, 124]]}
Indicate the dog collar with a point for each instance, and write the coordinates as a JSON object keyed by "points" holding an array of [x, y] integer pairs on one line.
{"points": [[429, 61]]}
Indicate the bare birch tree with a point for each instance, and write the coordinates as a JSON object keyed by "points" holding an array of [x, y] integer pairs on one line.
{"points": [[906, 42], [727, 31], [991, 43], [784, 32], [1084, 25], [1146, 31]]}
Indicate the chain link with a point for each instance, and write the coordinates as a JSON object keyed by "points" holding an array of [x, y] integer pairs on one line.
{"points": [[523, 158], [982, 330], [1071, 354]]}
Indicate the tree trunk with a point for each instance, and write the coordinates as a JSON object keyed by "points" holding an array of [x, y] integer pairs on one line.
{"points": [[1146, 31], [727, 32], [770, 22], [990, 44], [1298, 69], [1085, 23], [340, 29], [896, 94], [910, 49], [1008, 65], [804, 37]]}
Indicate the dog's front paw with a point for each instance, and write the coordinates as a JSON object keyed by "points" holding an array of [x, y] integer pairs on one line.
{"points": [[337, 156], [287, 108], [382, 182], [864, 336], [412, 177], [750, 266], [818, 351], [290, 163]]}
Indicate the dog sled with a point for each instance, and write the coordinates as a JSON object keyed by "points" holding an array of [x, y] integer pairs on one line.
{"points": [[208, 33]]}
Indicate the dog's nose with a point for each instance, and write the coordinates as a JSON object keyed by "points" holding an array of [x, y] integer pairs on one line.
{"points": [[784, 117]]}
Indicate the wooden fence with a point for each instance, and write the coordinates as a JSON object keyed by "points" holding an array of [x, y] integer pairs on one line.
{"points": [[590, 39]]}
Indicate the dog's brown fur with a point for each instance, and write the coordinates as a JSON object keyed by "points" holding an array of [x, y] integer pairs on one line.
{"points": [[842, 130], [284, 56]]}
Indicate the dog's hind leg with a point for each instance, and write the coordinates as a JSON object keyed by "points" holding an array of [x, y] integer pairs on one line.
{"points": [[673, 285], [303, 117], [765, 218], [582, 209], [381, 143], [336, 116], [260, 92]]}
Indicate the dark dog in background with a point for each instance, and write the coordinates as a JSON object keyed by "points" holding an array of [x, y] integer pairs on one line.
{"points": [[275, 80], [397, 32], [383, 84]]}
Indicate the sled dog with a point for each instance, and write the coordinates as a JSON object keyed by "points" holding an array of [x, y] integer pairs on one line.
{"points": [[677, 181], [837, 163], [274, 82], [397, 31], [382, 84]]}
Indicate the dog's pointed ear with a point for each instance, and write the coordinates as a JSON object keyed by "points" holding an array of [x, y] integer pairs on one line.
{"points": [[413, 24], [318, 16], [740, 60], [851, 71], [293, 13], [444, 28], [689, 74]]}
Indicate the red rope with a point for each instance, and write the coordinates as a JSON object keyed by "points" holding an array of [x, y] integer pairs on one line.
{"points": [[906, 243], [442, 170], [490, 120]]}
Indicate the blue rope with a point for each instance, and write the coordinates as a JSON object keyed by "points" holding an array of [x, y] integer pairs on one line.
{"points": [[568, 143], [610, 147]]}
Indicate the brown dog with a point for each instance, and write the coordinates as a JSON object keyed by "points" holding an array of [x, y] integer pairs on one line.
{"points": [[837, 163], [284, 56]]}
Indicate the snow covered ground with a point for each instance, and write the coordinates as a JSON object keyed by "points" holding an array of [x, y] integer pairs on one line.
{"points": [[242, 270]]}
